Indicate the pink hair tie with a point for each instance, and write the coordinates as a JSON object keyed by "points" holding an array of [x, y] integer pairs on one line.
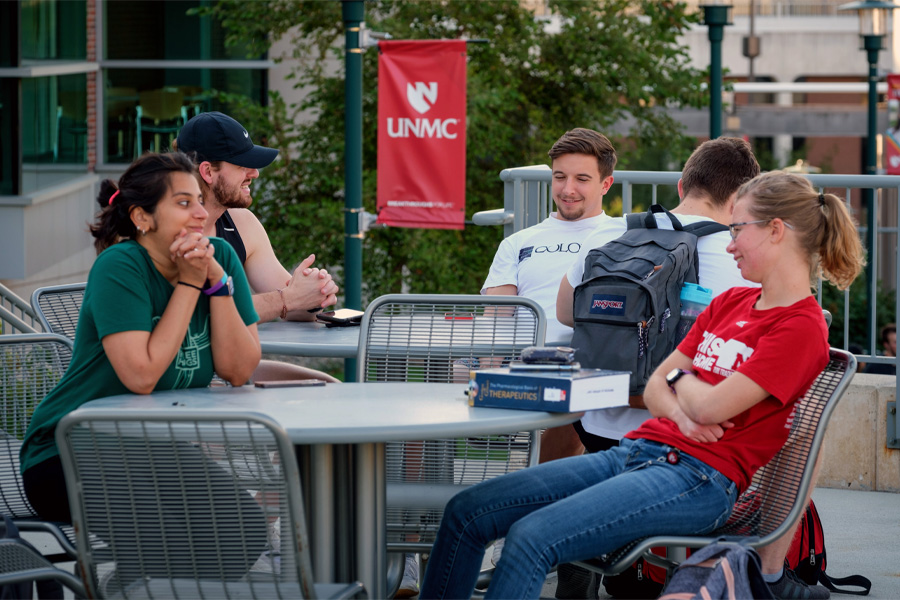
{"points": [[113, 197]]}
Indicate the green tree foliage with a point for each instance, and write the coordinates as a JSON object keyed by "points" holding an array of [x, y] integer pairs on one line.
{"points": [[601, 63]]}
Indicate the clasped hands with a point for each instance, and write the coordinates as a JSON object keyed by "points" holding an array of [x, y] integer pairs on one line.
{"points": [[193, 255], [309, 288]]}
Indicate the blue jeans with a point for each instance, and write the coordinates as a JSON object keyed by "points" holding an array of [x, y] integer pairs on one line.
{"points": [[572, 509]]}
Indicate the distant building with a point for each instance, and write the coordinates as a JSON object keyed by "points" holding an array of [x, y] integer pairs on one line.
{"points": [[85, 86]]}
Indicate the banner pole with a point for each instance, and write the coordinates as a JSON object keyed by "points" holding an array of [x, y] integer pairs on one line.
{"points": [[353, 13]]}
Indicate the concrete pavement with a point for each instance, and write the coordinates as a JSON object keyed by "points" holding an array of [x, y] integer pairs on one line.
{"points": [[862, 537]]}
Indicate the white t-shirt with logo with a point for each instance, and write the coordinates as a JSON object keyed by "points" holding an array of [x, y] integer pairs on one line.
{"points": [[717, 271], [535, 259]]}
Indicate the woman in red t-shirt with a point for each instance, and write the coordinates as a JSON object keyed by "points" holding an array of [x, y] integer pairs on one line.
{"points": [[722, 401]]}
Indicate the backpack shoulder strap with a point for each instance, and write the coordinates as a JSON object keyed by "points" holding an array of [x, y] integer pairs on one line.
{"points": [[832, 584], [647, 220], [640, 221], [705, 228]]}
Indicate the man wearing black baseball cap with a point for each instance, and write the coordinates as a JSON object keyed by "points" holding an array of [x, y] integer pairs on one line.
{"points": [[228, 162]]}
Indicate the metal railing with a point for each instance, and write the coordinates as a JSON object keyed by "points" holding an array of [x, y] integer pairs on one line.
{"points": [[16, 315], [780, 8], [527, 201]]}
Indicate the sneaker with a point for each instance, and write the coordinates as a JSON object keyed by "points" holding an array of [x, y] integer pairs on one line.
{"points": [[791, 587], [498, 551], [409, 585], [573, 582]]}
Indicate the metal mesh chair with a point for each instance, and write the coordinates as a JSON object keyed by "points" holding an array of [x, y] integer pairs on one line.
{"points": [[189, 505], [58, 306], [776, 496], [16, 315], [30, 366], [20, 563], [439, 338]]}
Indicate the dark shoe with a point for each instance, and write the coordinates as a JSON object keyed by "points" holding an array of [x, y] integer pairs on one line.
{"points": [[791, 587], [576, 583]]}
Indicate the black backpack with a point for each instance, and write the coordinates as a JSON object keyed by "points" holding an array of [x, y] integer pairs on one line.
{"points": [[627, 307]]}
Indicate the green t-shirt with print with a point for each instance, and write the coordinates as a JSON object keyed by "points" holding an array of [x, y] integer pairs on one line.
{"points": [[125, 292]]}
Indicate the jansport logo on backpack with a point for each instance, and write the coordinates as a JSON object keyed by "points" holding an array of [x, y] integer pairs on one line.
{"points": [[627, 306], [607, 305]]}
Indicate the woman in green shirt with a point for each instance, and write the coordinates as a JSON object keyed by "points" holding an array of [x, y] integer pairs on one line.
{"points": [[164, 308]]}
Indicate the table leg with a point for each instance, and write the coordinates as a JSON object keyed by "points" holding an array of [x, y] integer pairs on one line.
{"points": [[345, 500], [371, 536], [322, 499]]}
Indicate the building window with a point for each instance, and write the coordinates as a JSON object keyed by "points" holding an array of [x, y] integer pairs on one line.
{"points": [[168, 68], [54, 129], [164, 31], [54, 30], [9, 164], [146, 108]]}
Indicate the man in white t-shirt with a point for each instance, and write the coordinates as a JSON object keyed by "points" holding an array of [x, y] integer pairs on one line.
{"points": [[530, 262], [708, 184]]}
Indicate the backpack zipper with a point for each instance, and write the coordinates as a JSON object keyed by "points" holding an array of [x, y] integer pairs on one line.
{"points": [[644, 335]]}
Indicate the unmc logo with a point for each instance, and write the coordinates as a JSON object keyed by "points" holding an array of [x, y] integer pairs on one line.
{"points": [[422, 96]]}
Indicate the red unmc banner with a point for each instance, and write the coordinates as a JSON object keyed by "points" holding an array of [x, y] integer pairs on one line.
{"points": [[891, 150], [422, 134]]}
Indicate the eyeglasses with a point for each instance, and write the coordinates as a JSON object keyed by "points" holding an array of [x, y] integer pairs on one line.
{"points": [[734, 232]]}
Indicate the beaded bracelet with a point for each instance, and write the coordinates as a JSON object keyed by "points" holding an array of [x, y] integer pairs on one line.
{"points": [[283, 304]]}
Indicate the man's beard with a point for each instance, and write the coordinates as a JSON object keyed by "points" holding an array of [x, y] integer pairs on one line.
{"points": [[230, 197]]}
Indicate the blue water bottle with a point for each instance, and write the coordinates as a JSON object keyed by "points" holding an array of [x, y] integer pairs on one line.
{"points": [[693, 300]]}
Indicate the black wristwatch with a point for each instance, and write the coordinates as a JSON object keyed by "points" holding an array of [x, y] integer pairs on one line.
{"points": [[674, 375]]}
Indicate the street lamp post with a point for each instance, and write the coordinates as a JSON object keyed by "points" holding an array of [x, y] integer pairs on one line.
{"points": [[715, 16], [873, 16], [353, 13]]}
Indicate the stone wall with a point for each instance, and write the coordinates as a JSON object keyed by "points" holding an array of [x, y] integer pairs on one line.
{"points": [[855, 454]]}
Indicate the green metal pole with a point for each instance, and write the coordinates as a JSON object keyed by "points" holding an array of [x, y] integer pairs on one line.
{"points": [[715, 17], [872, 45], [353, 13]]}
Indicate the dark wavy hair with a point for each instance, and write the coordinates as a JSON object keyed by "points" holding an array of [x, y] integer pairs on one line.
{"points": [[717, 168], [143, 185]]}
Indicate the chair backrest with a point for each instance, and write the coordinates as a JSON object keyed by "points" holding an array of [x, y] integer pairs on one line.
{"points": [[777, 492], [190, 504], [162, 104], [58, 307], [31, 364], [439, 338], [410, 337], [16, 315]]}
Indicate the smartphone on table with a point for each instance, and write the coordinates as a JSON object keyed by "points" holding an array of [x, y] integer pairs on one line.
{"points": [[290, 383], [342, 317]]}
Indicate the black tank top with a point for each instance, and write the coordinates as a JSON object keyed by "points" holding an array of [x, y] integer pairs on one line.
{"points": [[226, 230]]}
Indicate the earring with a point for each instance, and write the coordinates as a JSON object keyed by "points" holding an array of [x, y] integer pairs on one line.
{"points": [[143, 231]]}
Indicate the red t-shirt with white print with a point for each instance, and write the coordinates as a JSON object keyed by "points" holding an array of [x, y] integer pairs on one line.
{"points": [[781, 349]]}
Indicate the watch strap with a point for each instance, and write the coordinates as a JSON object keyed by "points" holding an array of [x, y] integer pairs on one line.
{"points": [[226, 289], [211, 290]]}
